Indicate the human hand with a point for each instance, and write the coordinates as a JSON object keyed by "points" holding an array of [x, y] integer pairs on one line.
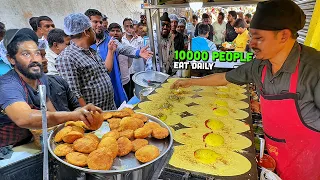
{"points": [[112, 46], [145, 54], [181, 83], [86, 113]]}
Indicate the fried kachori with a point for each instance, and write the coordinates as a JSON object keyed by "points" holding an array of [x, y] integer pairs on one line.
{"points": [[63, 149], [114, 133], [106, 115], [152, 125], [160, 133], [77, 128], [125, 146], [127, 133], [76, 123], [120, 114], [77, 159], [128, 123], [128, 110], [100, 160], [142, 133], [140, 116], [72, 136], [114, 123], [139, 143], [63, 132], [97, 121], [147, 153], [111, 146], [85, 145], [93, 137]]}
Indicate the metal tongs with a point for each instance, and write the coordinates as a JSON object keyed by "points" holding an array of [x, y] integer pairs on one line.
{"points": [[42, 91], [151, 83]]}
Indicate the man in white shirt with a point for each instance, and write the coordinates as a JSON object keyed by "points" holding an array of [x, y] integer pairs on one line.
{"points": [[219, 28], [57, 41]]}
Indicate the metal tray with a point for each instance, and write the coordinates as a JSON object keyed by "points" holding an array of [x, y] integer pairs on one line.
{"points": [[124, 164]]}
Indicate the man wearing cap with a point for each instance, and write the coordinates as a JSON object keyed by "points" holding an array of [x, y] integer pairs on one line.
{"points": [[206, 21], [19, 94], [178, 37], [169, 42], [181, 29], [287, 75]]}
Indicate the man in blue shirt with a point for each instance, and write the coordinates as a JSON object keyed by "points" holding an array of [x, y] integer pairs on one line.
{"points": [[201, 43], [101, 47], [19, 95]]}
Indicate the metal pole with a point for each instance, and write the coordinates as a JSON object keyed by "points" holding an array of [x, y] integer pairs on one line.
{"points": [[158, 31], [150, 31], [42, 91]]}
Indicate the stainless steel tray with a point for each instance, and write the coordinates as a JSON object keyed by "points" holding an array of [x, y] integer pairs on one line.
{"points": [[124, 164]]}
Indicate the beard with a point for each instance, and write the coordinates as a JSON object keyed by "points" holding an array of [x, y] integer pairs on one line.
{"points": [[28, 73], [100, 35]]}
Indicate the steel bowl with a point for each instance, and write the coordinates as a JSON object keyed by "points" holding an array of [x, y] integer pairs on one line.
{"points": [[140, 77], [127, 167]]}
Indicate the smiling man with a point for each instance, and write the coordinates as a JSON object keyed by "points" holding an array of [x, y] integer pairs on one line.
{"points": [[19, 95], [288, 76]]}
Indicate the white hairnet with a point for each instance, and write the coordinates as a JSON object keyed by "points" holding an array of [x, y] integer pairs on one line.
{"points": [[76, 23], [173, 17], [182, 22]]}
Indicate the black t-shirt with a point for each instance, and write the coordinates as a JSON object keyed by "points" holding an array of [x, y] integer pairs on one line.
{"points": [[230, 33]]}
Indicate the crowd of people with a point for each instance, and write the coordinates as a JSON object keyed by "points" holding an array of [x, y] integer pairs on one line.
{"points": [[89, 64]]}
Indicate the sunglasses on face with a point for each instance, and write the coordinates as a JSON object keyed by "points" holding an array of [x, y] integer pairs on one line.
{"points": [[165, 24]]}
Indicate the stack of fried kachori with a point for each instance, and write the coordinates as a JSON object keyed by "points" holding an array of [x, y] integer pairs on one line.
{"points": [[128, 135]]}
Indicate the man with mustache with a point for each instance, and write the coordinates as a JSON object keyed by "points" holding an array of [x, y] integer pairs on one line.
{"points": [[286, 74], [101, 45], [19, 96], [169, 42]]}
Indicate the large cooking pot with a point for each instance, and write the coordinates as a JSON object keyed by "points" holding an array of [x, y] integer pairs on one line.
{"points": [[127, 167], [141, 79]]}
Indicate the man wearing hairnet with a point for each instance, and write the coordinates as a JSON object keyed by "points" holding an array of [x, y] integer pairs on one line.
{"points": [[287, 75], [82, 67], [101, 46]]}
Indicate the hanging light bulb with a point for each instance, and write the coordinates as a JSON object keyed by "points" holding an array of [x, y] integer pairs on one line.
{"points": [[195, 6]]}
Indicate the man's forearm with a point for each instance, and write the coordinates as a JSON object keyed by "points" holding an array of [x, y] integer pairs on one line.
{"points": [[217, 79]]}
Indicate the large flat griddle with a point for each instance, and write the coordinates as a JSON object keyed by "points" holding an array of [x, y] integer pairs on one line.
{"points": [[249, 153]]}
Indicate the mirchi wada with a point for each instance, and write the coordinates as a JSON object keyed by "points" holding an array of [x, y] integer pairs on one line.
{"points": [[147, 153], [98, 120], [142, 133], [100, 160], [77, 159], [125, 146], [139, 143]]}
